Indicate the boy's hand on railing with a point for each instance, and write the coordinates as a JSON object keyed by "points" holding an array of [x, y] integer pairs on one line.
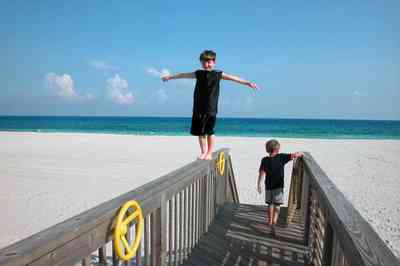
{"points": [[297, 155]]}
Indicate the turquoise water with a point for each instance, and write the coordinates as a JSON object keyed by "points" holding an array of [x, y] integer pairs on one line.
{"points": [[179, 126]]}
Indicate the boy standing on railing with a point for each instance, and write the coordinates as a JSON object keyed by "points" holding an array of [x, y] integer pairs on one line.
{"points": [[272, 169], [205, 102]]}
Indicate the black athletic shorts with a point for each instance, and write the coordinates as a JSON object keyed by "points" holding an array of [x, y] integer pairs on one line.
{"points": [[202, 124]]}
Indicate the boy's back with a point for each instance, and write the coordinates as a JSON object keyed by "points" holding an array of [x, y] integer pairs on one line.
{"points": [[274, 168]]}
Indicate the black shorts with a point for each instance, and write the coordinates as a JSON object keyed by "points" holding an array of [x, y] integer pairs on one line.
{"points": [[202, 124]]}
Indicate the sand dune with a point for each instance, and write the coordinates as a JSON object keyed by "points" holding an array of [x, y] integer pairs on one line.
{"points": [[49, 177]]}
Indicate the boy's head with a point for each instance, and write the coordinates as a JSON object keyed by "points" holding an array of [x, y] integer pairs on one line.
{"points": [[207, 59], [272, 146]]}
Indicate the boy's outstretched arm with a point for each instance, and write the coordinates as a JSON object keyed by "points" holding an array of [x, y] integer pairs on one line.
{"points": [[189, 75], [239, 80], [261, 176]]}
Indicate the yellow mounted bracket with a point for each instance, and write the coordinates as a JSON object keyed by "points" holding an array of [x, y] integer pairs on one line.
{"points": [[122, 229], [221, 163]]}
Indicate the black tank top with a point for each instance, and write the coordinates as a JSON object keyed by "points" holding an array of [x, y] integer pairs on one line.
{"points": [[206, 92]]}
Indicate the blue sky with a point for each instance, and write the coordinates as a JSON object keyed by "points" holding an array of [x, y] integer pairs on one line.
{"points": [[312, 59]]}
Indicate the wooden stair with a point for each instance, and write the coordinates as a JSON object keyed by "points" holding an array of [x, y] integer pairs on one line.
{"points": [[239, 236]]}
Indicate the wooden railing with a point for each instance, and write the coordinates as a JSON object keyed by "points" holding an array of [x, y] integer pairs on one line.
{"points": [[335, 232], [177, 208]]}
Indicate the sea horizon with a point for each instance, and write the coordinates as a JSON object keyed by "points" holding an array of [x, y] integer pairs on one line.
{"points": [[218, 117], [312, 128]]}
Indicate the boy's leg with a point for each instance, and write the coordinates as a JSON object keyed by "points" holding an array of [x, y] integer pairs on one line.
{"points": [[278, 200], [210, 146], [270, 214], [277, 209], [203, 147]]}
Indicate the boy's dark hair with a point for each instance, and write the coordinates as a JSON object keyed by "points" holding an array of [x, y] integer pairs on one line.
{"points": [[272, 145], [208, 55]]}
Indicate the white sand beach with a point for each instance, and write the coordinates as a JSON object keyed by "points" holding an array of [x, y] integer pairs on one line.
{"points": [[49, 177]]}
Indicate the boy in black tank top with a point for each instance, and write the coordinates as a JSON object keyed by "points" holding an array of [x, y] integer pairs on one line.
{"points": [[272, 169], [205, 100]]}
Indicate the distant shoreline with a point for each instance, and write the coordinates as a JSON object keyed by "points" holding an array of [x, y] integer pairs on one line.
{"points": [[230, 127], [223, 117], [190, 136]]}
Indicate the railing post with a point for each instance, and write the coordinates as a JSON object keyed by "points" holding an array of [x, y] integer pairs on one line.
{"points": [[86, 261], [128, 237], [139, 250], [163, 230], [299, 184], [328, 241], [156, 237], [205, 202], [102, 256], [306, 206], [219, 188], [228, 196]]}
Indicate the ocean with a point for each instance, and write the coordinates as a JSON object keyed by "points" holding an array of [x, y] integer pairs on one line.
{"points": [[179, 126]]}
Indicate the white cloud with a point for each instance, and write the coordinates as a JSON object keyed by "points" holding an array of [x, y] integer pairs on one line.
{"points": [[102, 65], [118, 90], [161, 96], [158, 73], [63, 85], [356, 93]]}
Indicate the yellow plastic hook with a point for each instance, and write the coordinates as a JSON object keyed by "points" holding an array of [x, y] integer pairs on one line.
{"points": [[122, 228], [221, 163]]}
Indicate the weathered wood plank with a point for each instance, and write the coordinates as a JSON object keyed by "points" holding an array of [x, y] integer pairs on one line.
{"points": [[196, 235], [156, 237], [162, 227], [146, 240], [176, 224], [190, 218], [115, 260], [183, 224], [129, 238], [231, 239], [230, 177], [170, 231], [86, 261], [102, 256], [139, 261], [185, 219]]}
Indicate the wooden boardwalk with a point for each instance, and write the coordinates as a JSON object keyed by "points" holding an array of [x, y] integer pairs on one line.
{"points": [[193, 216], [239, 236]]}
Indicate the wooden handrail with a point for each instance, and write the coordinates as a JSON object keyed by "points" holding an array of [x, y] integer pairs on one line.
{"points": [[335, 232], [188, 197]]}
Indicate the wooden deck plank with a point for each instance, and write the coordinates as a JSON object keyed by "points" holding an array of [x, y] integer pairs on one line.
{"points": [[239, 236]]}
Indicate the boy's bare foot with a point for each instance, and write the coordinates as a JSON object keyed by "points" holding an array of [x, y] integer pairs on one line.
{"points": [[202, 156], [273, 232], [208, 156]]}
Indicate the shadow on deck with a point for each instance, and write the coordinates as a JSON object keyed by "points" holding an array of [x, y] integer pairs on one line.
{"points": [[239, 236]]}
